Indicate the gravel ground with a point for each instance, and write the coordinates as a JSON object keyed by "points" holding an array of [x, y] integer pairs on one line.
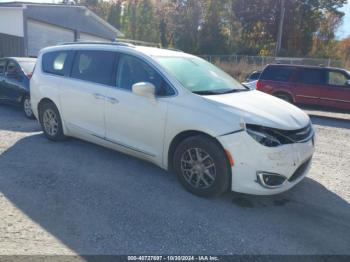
{"points": [[78, 198]]}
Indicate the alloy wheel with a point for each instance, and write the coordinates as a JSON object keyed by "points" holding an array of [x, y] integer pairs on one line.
{"points": [[50, 122], [198, 168], [27, 107]]}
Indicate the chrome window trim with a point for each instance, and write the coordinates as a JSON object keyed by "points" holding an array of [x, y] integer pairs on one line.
{"points": [[118, 52]]}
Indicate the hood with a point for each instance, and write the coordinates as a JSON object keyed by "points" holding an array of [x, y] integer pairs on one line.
{"points": [[255, 107]]}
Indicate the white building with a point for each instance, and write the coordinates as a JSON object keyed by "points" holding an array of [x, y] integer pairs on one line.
{"points": [[25, 28]]}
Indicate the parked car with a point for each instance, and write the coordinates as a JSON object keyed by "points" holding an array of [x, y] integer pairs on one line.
{"points": [[252, 79], [15, 73], [310, 85], [175, 110]]}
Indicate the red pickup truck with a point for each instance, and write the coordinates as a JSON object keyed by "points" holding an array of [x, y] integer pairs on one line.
{"points": [[310, 85]]}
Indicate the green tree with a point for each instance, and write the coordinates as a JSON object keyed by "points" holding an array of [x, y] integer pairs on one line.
{"points": [[129, 19], [303, 18], [114, 15], [183, 18], [147, 28], [212, 38]]}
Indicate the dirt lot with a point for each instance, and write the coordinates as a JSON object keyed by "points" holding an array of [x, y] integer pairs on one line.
{"points": [[75, 197]]}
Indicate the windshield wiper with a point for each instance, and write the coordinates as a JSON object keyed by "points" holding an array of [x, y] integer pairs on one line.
{"points": [[210, 92], [206, 92], [234, 91]]}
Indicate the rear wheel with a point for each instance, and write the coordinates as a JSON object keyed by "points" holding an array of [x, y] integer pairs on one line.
{"points": [[202, 167], [284, 97], [27, 107], [51, 123]]}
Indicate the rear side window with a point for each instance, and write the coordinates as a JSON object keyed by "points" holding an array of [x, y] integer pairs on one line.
{"points": [[278, 73], [94, 66], [55, 62], [27, 67], [336, 78], [2, 66], [312, 76]]}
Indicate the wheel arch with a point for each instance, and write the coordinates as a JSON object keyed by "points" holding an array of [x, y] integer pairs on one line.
{"points": [[181, 137], [284, 92], [46, 100], [43, 101]]}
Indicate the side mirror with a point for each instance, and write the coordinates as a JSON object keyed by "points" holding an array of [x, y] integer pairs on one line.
{"points": [[347, 83], [145, 89]]}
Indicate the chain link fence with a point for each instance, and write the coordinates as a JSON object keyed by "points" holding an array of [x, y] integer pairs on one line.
{"points": [[239, 66], [264, 60]]}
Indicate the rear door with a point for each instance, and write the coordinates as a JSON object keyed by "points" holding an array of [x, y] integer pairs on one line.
{"points": [[311, 86], [83, 93], [338, 92]]}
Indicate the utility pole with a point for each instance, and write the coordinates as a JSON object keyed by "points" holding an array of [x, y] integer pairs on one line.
{"points": [[280, 28]]}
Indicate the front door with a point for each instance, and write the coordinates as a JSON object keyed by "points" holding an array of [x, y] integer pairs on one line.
{"points": [[311, 86], [338, 94], [135, 122]]}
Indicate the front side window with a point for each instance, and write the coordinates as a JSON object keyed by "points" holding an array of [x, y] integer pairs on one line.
{"points": [[94, 66], [54, 62], [278, 73], [336, 78], [200, 76], [132, 70], [311, 76]]}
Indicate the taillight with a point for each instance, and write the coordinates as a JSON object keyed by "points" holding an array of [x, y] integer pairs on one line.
{"points": [[29, 75], [259, 85]]}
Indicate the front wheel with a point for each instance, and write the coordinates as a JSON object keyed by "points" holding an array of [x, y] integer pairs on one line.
{"points": [[27, 107], [202, 166]]}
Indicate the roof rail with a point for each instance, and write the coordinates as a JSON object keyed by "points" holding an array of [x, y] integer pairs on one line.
{"points": [[96, 43], [137, 42], [174, 49], [128, 43]]}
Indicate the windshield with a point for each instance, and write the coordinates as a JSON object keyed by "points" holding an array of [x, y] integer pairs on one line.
{"points": [[199, 76], [27, 66]]}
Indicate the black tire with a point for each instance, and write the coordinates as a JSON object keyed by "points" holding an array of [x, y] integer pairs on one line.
{"points": [[28, 113], [46, 110], [284, 97], [217, 156]]}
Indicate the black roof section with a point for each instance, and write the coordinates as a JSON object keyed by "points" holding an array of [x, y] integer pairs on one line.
{"points": [[304, 66]]}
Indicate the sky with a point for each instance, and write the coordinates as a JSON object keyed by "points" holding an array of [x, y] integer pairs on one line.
{"points": [[343, 31]]}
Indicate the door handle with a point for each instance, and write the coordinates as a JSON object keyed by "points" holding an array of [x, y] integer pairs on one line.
{"points": [[99, 96], [112, 100]]}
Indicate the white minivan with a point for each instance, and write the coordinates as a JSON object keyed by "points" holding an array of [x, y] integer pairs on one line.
{"points": [[175, 110]]}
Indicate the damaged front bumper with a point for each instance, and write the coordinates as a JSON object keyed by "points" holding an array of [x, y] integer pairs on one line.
{"points": [[262, 170]]}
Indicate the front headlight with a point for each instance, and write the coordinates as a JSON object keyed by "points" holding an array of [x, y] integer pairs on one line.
{"points": [[273, 137], [264, 138]]}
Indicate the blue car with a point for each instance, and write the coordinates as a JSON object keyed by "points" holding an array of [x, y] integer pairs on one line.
{"points": [[15, 73]]}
